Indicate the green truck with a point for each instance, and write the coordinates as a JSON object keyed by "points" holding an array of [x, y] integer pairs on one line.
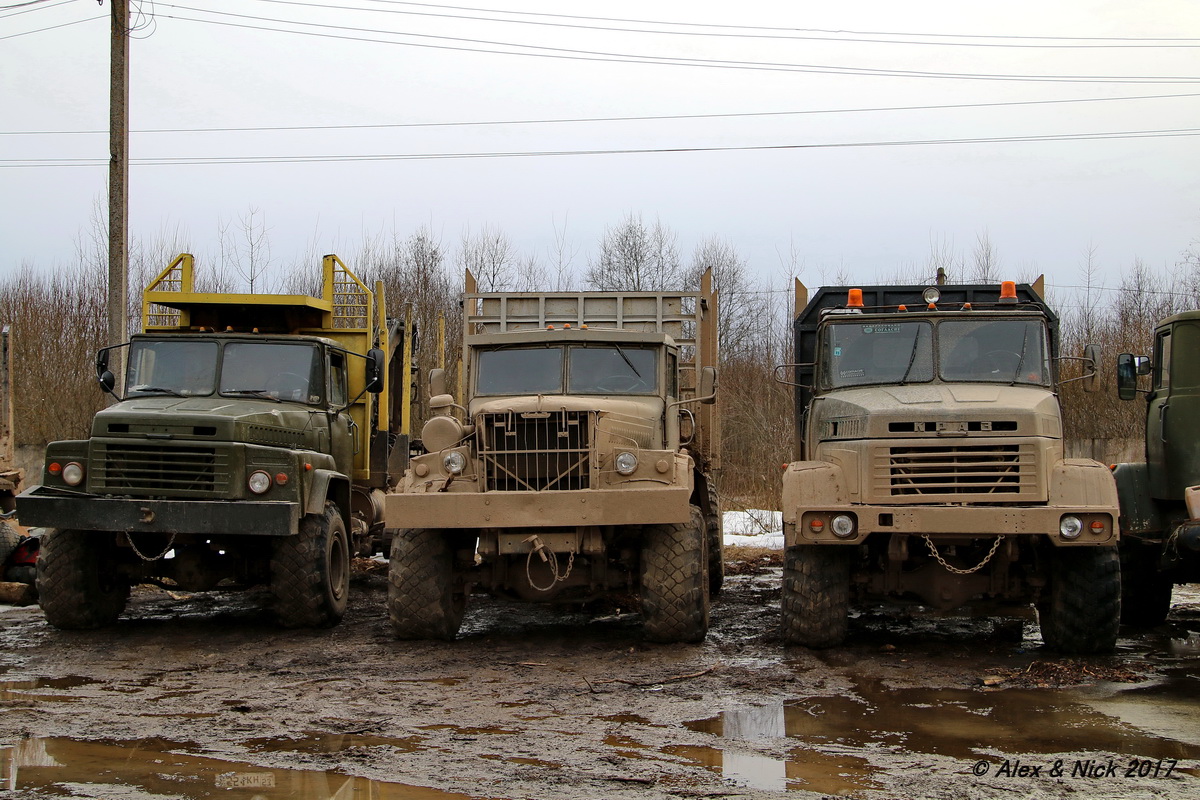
{"points": [[251, 442], [1160, 497]]}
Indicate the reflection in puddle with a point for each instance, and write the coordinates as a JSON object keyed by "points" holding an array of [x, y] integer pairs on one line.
{"points": [[1149, 721], [28, 689], [330, 743], [149, 766]]}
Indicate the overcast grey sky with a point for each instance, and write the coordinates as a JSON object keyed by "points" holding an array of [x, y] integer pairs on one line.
{"points": [[819, 152]]}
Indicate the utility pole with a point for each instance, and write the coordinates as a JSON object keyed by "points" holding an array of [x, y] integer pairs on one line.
{"points": [[118, 176]]}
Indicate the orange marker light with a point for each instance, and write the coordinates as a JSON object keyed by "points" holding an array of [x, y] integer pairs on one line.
{"points": [[566, 326], [1008, 292], [549, 327], [854, 300], [308, 467], [966, 307], [902, 307]]}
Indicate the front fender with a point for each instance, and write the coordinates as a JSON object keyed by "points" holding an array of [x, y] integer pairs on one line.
{"points": [[1139, 512], [812, 483], [329, 485]]}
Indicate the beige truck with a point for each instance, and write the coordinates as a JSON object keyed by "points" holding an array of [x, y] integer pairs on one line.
{"points": [[931, 467], [578, 465]]}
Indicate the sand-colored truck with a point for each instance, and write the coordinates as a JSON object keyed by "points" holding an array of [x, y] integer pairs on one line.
{"points": [[251, 443], [578, 465], [931, 466], [1160, 497]]}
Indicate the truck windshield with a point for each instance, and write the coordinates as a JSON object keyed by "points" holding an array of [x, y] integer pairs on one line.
{"points": [[612, 370], [283, 371], [179, 368], [530, 370], [857, 353], [993, 351]]}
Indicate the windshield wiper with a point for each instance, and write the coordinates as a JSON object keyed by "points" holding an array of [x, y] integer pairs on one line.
{"points": [[627, 361], [912, 357], [156, 390], [263, 393], [1021, 361]]}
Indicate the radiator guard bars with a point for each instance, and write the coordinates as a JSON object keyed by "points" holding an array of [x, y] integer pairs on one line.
{"points": [[536, 451]]}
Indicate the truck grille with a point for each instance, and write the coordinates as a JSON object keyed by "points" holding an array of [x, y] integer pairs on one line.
{"points": [[535, 451], [151, 469], [984, 469]]}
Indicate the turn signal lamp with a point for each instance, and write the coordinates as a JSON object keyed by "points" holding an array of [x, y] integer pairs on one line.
{"points": [[54, 468], [1008, 292], [854, 300], [816, 525], [1097, 527]]}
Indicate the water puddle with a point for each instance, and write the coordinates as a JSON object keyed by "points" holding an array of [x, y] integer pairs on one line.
{"points": [[460, 730], [32, 689], [331, 743], [152, 766], [1157, 720]]}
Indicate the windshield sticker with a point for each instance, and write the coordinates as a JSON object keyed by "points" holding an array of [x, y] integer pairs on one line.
{"points": [[886, 328]]}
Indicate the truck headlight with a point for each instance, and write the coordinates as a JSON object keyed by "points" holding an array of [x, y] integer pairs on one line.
{"points": [[259, 481], [72, 473], [626, 463], [454, 462], [1070, 527], [842, 525]]}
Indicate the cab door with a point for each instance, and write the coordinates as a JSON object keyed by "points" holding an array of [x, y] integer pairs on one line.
{"points": [[1158, 412], [343, 433]]}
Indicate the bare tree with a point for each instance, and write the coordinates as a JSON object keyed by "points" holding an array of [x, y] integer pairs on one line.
{"points": [[635, 258], [490, 256], [985, 267]]}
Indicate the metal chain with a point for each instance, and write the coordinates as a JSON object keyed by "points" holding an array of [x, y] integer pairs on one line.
{"points": [[550, 558], [957, 571], [139, 554]]}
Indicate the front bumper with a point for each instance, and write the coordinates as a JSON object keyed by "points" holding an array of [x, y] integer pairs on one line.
{"points": [[551, 509], [952, 522], [40, 507]]}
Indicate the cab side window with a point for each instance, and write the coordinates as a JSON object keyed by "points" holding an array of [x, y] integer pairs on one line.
{"points": [[1162, 361], [337, 379]]}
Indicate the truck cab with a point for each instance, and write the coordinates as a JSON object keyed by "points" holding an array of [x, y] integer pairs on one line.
{"points": [[931, 466], [249, 443], [1160, 497]]}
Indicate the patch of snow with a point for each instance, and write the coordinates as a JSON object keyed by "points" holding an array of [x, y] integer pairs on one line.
{"points": [[754, 527]]}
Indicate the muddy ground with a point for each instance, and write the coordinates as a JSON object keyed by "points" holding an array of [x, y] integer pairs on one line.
{"points": [[194, 696]]}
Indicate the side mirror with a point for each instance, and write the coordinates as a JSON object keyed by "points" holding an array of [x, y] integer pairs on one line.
{"points": [[374, 383], [1091, 358], [101, 363], [107, 380], [708, 386], [1129, 367], [437, 382]]}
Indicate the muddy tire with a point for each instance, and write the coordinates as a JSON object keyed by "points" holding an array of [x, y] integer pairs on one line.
{"points": [[9, 539], [1145, 592], [310, 572], [425, 598], [716, 544], [77, 581], [1081, 611], [674, 581], [816, 595]]}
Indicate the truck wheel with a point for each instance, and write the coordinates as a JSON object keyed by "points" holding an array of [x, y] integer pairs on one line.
{"points": [[675, 585], [77, 582], [310, 572], [9, 539], [1145, 592], [716, 545], [816, 595], [425, 599], [1082, 610]]}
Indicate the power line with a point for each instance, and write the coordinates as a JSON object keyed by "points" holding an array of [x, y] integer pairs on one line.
{"points": [[52, 27], [627, 58], [23, 5], [649, 118], [772, 28], [240, 160], [36, 6], [780, 33]]}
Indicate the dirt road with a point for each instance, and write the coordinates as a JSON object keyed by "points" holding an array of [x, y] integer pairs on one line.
{"points": [[200, 696]]}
